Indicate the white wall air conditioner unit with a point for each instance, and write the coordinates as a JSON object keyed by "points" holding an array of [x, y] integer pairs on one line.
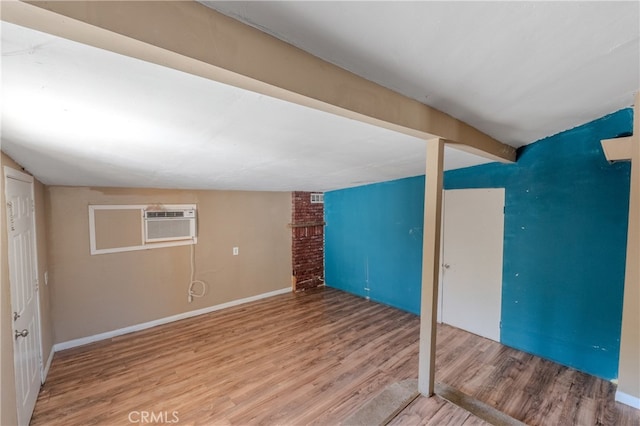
{"points": [[317, 198], [169, 225]]}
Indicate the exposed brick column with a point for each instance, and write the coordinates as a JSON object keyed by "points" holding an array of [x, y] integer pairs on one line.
{"points": [[307, 244]]}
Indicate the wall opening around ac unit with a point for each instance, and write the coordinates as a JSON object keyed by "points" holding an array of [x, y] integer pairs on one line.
{"points": [[118, 228]]}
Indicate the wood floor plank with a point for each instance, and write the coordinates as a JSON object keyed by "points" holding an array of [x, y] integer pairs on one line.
{"points": [[434, 411], [308, 358]]}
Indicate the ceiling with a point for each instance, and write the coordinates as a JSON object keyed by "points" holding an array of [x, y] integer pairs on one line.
{"points": [[78, 115], [518, 71]]}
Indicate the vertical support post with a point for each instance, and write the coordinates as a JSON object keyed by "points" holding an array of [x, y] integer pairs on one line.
{"points": [[628, 390], [430, 265]]}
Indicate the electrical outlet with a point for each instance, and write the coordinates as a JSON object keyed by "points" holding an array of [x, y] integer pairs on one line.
{"points": [[236, 251]]}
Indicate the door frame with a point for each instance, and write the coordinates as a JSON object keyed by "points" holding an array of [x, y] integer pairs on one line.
{"points": [[10, 173]]}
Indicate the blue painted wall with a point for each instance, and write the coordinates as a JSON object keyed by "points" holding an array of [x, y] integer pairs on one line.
{"points": [[566, 213], [373, 240]]}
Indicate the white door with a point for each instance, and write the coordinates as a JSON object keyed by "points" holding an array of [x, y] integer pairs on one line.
{"points": [[472, 241], [24, 291]]}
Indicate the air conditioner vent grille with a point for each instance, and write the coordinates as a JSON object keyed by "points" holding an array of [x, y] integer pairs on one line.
{"points": [[165, 214], [168, 230]]}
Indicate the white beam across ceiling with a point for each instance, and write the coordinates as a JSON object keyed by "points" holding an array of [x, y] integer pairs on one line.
{"points": [[190, 37]]}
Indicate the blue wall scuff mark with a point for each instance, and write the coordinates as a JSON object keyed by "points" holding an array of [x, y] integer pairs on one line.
{"points": [[566, 212]]}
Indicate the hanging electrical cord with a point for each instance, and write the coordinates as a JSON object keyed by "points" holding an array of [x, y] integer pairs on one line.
{"points": [[193, 281]]}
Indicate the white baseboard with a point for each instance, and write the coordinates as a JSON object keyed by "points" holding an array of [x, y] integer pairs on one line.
{"points": [[109, 334], [45, 370], [632, 401]]}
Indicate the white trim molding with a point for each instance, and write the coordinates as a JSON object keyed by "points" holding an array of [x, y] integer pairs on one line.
{"points": [[630, 400], [47, 365], [12, 173], [119, 332]]}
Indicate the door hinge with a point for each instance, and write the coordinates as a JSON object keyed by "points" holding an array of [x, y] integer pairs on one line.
{"points": [[37, 283], [33, 206]]}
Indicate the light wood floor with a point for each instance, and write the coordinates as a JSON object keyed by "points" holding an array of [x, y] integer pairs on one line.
{"points": [[310, 358]]}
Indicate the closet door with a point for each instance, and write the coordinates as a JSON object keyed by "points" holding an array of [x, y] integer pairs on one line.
{"points": [[471, 279]]}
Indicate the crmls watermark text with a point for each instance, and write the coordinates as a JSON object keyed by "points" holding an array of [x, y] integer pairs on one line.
{"points": [[153, 417]]}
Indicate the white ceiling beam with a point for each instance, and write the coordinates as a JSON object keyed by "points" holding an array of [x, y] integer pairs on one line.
{"points": [[190, 37]]}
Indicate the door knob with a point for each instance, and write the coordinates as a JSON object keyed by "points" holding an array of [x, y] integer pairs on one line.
{"points": [[446, 265], [23, 333]]}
